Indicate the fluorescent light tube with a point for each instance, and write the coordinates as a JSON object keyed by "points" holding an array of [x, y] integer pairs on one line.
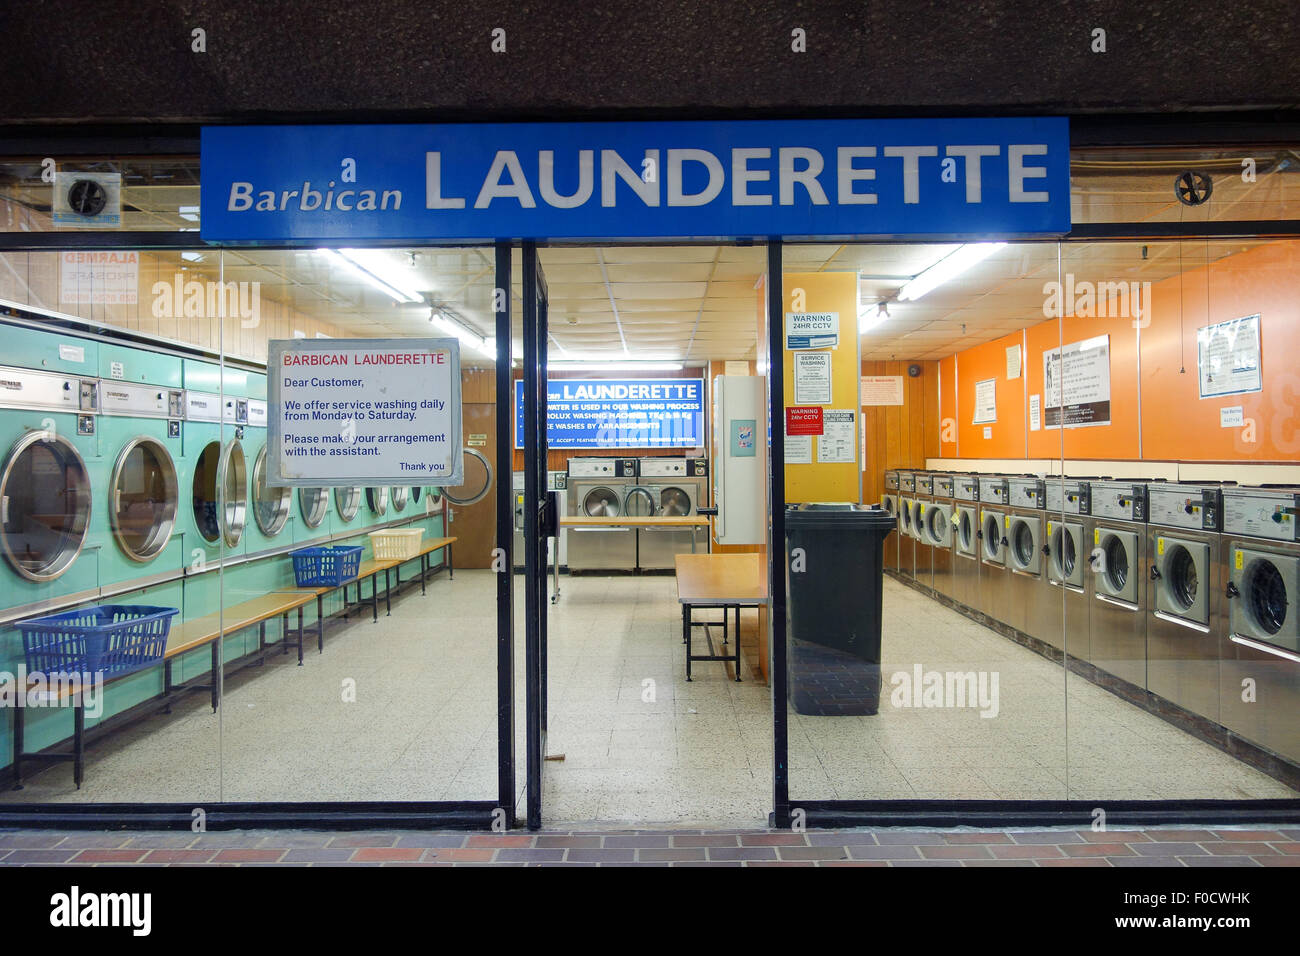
{"points": [[341, 259], [613, 366], [947, 268]]}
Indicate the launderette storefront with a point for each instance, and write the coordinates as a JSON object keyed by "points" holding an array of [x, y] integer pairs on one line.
{"points": [[1046, 364]]}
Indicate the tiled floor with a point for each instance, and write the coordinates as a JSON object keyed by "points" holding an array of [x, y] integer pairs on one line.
{"points": [[864, 847], [640, 744]]}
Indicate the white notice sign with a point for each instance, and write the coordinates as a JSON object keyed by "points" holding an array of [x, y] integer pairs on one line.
{"points": [[99, 278], [1013, 362], [986, 401], [798, 449], [812, 378], [1035, 412], [882, 389], [812, 330], [1232, 417], [838, 441], [363, 412], [1076, 383], [1228, 357]]}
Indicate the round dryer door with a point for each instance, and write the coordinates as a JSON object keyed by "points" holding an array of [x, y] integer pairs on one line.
{"points": [[313, 502], [1269, 589], [1183, 579], [991, 529], [674, 503], [234, 497], [639, 503], [966, 531], [1065, 555], [270, 505], [476, 482], [347, 502], [400, 496], [44, 505], [377, 499], [143, 499], [600, 503], [1116, 577]]}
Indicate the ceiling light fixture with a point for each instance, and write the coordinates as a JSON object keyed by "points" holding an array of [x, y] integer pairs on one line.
{"points": [[454, 326], [346, 260], [947, 268], [871, 316], [613, 365]]}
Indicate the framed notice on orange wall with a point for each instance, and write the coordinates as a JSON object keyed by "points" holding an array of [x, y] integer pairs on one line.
{"points": [[1228, 357], [1076, 384]]}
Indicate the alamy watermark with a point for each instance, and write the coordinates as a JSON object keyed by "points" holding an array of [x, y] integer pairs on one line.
{"points": [[922, 688], [191, 298], [37, 689], [1098, 300]]}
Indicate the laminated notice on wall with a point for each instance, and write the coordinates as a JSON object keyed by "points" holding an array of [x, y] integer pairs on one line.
{"points": [[798, 449], [1013, 362], [1076, 384], [1228, 357], [986, 402], [881, 389], [1035, 412], [838, 441], [812, 378], [812, 330]]}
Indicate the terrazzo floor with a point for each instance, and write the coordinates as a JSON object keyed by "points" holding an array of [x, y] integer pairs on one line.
{"points": [[640, 745]]}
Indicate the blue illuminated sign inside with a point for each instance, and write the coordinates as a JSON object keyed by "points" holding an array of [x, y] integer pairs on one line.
{"points": [[739, 179], [619, 413]]}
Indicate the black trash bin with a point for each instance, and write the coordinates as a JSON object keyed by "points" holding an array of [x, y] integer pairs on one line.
{"points": [[834, 572]]}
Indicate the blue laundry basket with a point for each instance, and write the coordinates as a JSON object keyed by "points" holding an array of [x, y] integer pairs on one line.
{"points": [[326, 567], [107, 639]]}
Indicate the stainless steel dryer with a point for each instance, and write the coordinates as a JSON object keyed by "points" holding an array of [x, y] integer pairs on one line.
{"points": [[1028, 599], [1117, 561], [1259, 624], [1063, 622], [598, 488], [994, 522], [675, 488], [1182, 597], [889, 502], [922, 550], [906, 533], [966, 541], [938, 533]]}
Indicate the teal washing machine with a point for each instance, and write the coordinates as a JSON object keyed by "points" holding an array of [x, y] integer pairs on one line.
{"points": [[347, 508], [143, 405], [378, 509], [214, 470], [53, 473], [270, 507]]}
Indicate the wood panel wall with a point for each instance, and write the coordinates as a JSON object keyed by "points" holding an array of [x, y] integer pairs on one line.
{"points": [[900, 436]]}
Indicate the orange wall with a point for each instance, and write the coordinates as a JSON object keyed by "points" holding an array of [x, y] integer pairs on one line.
{"points": [[1156, 411], [901, 436]]}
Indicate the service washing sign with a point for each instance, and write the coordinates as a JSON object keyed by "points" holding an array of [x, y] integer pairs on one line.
{"points": [[746, 179], [363, 412]]}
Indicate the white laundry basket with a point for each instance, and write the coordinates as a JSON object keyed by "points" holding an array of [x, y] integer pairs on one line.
{"points": [[396, 544]]}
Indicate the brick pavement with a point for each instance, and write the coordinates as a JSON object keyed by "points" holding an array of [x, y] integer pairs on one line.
{"points": [[855, 847]]}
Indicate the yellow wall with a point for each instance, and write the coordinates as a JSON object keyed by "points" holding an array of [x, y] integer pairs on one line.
{"points": [[827, 292]]}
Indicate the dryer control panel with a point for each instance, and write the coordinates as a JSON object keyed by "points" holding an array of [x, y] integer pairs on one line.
{"points": [[602, 467], [1118, 499], [993, 490], [1262, 513], [697, 467], [943, 486], [663, 467], [1068, 497], [966, 488], [1026, 493], [1186, 506], [891, 480], [924, 484], [906, 481]]}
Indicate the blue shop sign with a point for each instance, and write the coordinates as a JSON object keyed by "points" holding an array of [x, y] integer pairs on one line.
{"points": [[748, 179], [619, 413]]}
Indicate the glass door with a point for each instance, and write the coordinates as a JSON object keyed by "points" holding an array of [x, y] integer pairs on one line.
{"points": [[537, 520]]}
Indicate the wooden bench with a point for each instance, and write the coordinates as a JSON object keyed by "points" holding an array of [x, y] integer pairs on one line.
{"points": [[181, 639], [371, 569], [726, 581]]}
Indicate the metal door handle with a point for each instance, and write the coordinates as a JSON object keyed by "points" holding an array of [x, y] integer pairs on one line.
{"points": [[1232, 590], [1155, 573]]}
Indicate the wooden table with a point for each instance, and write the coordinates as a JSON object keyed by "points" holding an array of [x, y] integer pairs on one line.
{"points": [[727, 581]]}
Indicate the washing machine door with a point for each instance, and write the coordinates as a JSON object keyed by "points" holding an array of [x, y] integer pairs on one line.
{"points": [[377, 500], [143, 498], [313, 503], [219, 493], [1266, 602], [992, 529], [600, 502], [938, 525], [270, 505], [234, 499], [1117, 570], [1183, 580], [674, 502], [639, 503], [891, 505], [1065, 541], [1025, 543], [918, 520], [401, 495], [966, 539], [44, 505], [905, 515], [347, 502]]}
